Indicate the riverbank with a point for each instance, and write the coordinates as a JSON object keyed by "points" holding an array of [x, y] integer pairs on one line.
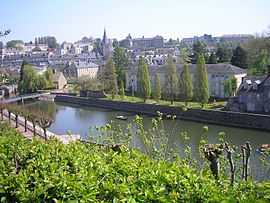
{"points": [[234, 119]]}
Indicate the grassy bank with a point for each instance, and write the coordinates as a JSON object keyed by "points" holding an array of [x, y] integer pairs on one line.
{"points": [[195, 105]]}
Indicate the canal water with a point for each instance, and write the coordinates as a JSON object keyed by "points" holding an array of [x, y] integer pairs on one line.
{"points": [[79, 119]]}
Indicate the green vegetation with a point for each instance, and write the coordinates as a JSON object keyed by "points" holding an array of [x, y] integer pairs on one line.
{"points": [[230, 86], [30, 81], [54, 172], [239, 57], [143, 80], [121, 63], [109, 78], [201, 89], [259, 63], [171, 81], [157, 88], [185, 85]]}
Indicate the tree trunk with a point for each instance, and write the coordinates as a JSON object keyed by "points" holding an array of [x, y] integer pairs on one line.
{"points": [[9, 115], [2, 116], [45, 135], [16, 120], [171, 102], [34, 127], [186, 103], [25, 124]]}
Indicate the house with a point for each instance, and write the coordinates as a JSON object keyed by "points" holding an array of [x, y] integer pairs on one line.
{"points": [[217, 75], [80, 68], [253, 95], [59, 80], [8, 90]]}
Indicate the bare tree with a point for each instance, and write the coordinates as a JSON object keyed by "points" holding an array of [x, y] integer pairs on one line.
{"points": [[33, 117], [24, 112], [45, 122]]}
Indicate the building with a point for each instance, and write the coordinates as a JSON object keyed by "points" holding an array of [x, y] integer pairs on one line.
{"points": [[205, 38], [80, 68], [153, 42], [59, 80], [107, 48], [235, 37], [217, 75], [253, 95]]}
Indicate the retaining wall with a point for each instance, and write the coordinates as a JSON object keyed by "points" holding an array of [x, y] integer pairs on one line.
{"points": [[235, 119]]}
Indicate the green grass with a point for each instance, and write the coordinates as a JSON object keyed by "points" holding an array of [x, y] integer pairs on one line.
{"points": [[194, 105]]}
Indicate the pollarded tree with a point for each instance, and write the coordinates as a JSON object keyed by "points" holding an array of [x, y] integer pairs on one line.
{"points": [[185, 85], [24, 112], [171, 80], [157, 88], [143, 80], [110, 78], [45, 122], [201, 89], [34, 118], [239, 57]]}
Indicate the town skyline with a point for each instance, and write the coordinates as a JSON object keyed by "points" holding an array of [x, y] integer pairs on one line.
{"points": [[69, 21]]}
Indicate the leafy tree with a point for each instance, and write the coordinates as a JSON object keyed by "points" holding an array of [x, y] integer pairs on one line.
{"points": [[197, 50], [212, 58], [87, 83], [24, 63], [49, 77], [110, 78], [183, 58], [28, 83], [224, 53], [201, 89], [51, 41], [36, 49], [228, 87], [171, 81], [121, 63], [40, 81], [122, 90], [157, 88], [234, 85], [143, 80], [239, 57], [259, 63], [185, 85]]}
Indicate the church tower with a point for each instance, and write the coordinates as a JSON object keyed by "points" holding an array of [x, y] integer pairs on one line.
{"points": [[106, 45]]}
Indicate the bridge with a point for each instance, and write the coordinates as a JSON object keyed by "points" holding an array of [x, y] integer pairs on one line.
{"points": [[23, 97]]}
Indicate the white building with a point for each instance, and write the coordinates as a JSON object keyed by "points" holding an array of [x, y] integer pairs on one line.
{"points": [[81, 68], [217, 75]]}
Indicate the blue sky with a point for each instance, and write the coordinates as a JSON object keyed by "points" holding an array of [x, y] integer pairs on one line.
{"points": [[70, 20]]}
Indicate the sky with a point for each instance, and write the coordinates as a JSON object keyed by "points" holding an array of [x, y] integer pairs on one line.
{"points": [[70, 20]]}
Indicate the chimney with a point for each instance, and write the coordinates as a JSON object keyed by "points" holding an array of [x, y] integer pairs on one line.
{"points": [[268, 75]]}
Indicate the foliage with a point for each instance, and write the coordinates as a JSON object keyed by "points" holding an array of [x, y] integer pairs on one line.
{"points": [[201, 89], [212, 58], [143, 80], [228, 87], [183, 58], [121, 63], [54, 172], [157, 88], [88, 83], [198, 49], [259, 63], [185, 85], [109, 78], [239, 57], [224, 53], [171, 80], [5, 33], [28, 83], [13, 43]]}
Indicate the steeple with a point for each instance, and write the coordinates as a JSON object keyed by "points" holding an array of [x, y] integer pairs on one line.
{"points": [[105, 39]]}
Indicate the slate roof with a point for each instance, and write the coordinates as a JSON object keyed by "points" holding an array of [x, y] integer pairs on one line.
{"points": [[249, 81], [211, 68], [83, 64]]}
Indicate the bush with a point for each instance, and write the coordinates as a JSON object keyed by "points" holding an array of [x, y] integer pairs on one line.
{"points": [[51, 171]]}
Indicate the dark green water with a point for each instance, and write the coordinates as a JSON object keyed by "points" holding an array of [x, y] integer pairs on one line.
{"points": [[78, 119]]}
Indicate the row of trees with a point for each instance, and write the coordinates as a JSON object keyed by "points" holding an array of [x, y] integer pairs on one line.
{"points": [[43, 120], [174, 88], [30, 81]]}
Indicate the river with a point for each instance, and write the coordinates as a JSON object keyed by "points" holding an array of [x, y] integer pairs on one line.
{"points": [[79, 119]]}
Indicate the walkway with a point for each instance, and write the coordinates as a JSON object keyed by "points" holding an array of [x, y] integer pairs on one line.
{"points": [[29, 134], [26, 96]]}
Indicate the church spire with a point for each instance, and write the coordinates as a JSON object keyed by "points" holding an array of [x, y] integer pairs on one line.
{"points": [[105, 39]]}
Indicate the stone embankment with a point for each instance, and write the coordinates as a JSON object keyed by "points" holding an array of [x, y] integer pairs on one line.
{"points": [[235, 119]]}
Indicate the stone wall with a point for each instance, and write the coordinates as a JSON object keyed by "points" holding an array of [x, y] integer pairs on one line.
{"points": [[235, 119]]}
